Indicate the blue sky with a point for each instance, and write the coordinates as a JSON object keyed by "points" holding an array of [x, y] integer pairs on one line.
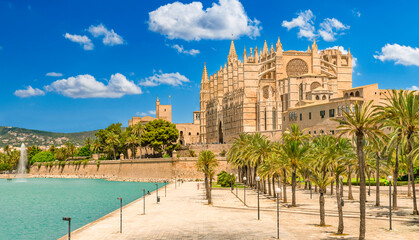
{"points": [[81, 65]]}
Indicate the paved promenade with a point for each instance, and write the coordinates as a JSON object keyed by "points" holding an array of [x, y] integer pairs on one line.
{"points": [[183, 214]]}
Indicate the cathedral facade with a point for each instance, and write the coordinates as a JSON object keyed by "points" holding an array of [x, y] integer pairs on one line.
{"points": [[272, 88]]}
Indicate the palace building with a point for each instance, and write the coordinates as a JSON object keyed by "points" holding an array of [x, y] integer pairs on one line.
{"points": [[272, 89]]}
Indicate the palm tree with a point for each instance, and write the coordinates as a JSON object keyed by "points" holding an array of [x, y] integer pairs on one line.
{"points": [[295, 152], [258, 151], [207, 163], [138, 129], [70, 149], [6, 150], [295, 134], [361, 123], [238, 154], [402, 113], [336, 155], [131, 142], [97, 146], [112, 140]]}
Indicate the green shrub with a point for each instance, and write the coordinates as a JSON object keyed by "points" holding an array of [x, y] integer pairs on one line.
{"points": [[85, 162], [192, 153], [166, 155], [223, 153], [98, 164], [46, 156], [61, 164], [225, 179], [40, 164], [178, 155], [84, 151]]}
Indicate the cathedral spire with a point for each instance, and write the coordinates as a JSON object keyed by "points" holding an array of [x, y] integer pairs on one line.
{"points": [[308, 48], [272, 48], [314, 46], [278, 46], [232, 54], [205, 75], [245, 55], [265, 50]]}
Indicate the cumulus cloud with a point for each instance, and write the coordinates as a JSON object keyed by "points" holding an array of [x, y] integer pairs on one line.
{"points": [[82, 40], [180, 49], [404, 55], [110, 37], [173, 79], [54, 74], [304, 22], [192, 22], [330, 27], [143, 114], [86, 86], [413, 88], [29, 92]]}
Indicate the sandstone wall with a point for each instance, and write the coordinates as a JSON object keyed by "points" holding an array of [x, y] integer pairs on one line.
{"points": [[145, 169]]}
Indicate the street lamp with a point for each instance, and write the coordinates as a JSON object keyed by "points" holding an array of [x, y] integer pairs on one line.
{"points": [[69, 226], [389, 197], [157, 193], [231, 182], [237, 179], [165, 191], [244, 185], [143, 201], [278, 191], [120, 218], [257, 180]]}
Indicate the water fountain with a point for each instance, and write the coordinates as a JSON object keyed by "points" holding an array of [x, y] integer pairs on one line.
{"points": [[21, 167]]}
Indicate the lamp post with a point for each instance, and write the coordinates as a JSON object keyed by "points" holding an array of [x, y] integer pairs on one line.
{"points": [[231, 181], [389, 197], [120, 218], [157, 193], [257, 180], [165, 191], [143, 201], [69, 226], [237, 179], [244, 185], [278, 191]]}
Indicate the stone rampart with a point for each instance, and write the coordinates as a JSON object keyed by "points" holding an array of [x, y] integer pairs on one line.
{"points": [[150, 169]]}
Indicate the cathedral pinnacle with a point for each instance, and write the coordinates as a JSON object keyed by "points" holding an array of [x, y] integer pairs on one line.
{"points": [[205, 75], [265, 49], [232, 53], [278, 46]]}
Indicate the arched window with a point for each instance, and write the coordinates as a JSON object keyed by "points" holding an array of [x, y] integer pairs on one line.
{"points": [[301, 91], [317, 97], [324, 97], [357, 94], [314, 85], [181, 133], [352, 94], [346, 95]]}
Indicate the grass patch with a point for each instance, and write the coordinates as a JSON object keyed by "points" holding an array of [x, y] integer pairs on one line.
{"points": [[214, 185]]}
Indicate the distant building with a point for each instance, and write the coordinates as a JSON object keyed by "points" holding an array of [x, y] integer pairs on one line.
{"points": [[189, 133]]}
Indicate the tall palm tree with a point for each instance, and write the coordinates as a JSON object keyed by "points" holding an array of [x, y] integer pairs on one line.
{"points": [[138, 130], [361, 123], [238, 154], [207, 163], [131, 142], [295, 134], [6, 150], [402, 113], [112, 140], [295, 152], [258, 151], [337, 163]]}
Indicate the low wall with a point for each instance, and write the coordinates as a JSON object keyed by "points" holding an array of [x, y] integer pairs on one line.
{"points": [[139, 169]]}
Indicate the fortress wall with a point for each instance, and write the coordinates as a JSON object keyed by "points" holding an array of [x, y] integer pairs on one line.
{"points": [[144, 170]]}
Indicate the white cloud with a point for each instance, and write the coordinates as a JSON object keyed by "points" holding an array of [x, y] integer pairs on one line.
{"points": [[86, 86], [173, 79], [192, 22], [356, 13], [29, 92], [330, 27], [304, 23], [54, 74], [143, 114], [180, 49], [110, 37], [404, 55], [82, 40], [413, 88]]}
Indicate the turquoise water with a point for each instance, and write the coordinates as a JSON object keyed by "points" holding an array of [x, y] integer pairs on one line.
{"points": [[34, 209]]}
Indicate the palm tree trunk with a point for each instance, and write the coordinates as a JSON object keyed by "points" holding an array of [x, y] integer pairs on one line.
{"points": [[350, 196], [377, 182], [206, 186], [139, 139], [294, 200], [395, 176], [273, 185], [284, 185], [340, 212], [209, 191], [114, 154], [409, 186], [315, 188], [322, 214], [331, 187], [412, 180], [269, 186], [362, 187]]}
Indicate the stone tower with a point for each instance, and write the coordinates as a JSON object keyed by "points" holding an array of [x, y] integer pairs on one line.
{"points": [[163, 111]]}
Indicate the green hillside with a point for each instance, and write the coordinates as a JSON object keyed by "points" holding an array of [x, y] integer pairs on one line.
{"points": [[15, 136]]}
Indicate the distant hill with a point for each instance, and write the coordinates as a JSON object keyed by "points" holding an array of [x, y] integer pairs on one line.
{"points": [[15, 136]]}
